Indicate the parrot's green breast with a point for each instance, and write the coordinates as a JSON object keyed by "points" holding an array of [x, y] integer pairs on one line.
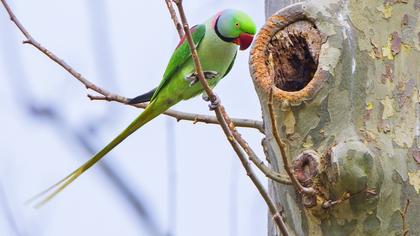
{"points": [[216, 54]]}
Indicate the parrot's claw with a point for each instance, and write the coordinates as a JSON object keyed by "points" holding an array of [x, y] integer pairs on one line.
{"points": [[192, 78], [210, 74], [215, 103], [205, 97]]}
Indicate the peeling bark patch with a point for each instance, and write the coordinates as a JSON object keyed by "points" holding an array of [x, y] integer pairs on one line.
{"points": [[388, 107], [388, 75], [415, 153], [414, 179], [367, 135], [308, 142], [395, 43], [387, 52], [404, 91], [417, 4], [404, 21], [393, 46], [376, 52], [294, 52], [386, 10], [289, 122], [367, 115]]}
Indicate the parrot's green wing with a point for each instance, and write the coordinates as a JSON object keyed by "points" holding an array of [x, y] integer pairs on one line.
{"points": [[181, 54]]}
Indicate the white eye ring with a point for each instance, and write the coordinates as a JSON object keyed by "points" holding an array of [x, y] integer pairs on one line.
{"points": [[237, 25]]}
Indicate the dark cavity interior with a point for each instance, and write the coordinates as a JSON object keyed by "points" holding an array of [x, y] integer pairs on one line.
{"points": [[293, 55]]}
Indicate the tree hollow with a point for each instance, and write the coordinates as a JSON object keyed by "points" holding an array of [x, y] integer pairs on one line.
{"points": [[294, 52]]}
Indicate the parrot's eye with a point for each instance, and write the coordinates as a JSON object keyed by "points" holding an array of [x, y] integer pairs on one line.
{"points": [[237, 25]]}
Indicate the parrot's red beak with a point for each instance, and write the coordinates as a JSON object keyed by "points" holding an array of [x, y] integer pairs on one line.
{"points": [[244, 40]]}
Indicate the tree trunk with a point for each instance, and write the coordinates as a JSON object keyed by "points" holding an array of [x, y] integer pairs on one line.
{"points": [[346, 79], [271, 6]]}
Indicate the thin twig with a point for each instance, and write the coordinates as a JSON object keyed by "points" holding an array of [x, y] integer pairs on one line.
{"points": [[108, 96], [347, 196], [277, 218], [282, 147], [195, 118], [403, 213], [197, 64], [221, 114], [268, 172], [174, 17]]}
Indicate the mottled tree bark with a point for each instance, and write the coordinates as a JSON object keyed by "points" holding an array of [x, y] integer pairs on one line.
{"points": [[346, 83], [271, 6]]}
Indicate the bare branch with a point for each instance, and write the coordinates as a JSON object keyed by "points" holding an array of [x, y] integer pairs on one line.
{"points": [[282, 147], [369, 192], [228, 129], [174, 17], [108, 96], [197, 64], [277, 218], [269, 173], [403, 213], [195, 118]]}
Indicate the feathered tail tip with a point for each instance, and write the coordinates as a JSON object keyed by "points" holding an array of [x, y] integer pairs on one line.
{"points": [[45, 196]]}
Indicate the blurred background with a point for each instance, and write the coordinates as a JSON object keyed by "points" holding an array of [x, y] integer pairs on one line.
{"points": [[169, 178]]}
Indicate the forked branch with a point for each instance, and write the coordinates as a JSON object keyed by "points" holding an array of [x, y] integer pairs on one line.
{"points": [[174, 18], [228, 129], [269, 173]]}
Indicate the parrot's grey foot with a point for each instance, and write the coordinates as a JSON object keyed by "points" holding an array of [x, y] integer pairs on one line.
{"points": [[210, 74], [205, 97], [215, 103], [192, 78]]}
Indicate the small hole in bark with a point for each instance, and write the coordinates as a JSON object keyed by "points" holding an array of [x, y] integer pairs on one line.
{"points": [[293, 55]]}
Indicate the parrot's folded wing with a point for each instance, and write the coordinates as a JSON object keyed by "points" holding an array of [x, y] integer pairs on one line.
{"points": [[181, 54]]}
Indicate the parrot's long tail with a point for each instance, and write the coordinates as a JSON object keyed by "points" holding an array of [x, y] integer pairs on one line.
{"points": [[148, 114]]}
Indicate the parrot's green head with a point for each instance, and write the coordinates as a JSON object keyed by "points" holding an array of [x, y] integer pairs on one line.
{"points": [[235, 27]]}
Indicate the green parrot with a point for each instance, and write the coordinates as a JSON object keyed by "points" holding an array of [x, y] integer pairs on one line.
{"points": [[217, 42]]}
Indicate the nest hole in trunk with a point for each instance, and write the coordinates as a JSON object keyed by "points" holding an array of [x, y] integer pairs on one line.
{"points": [[293, 55]]}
